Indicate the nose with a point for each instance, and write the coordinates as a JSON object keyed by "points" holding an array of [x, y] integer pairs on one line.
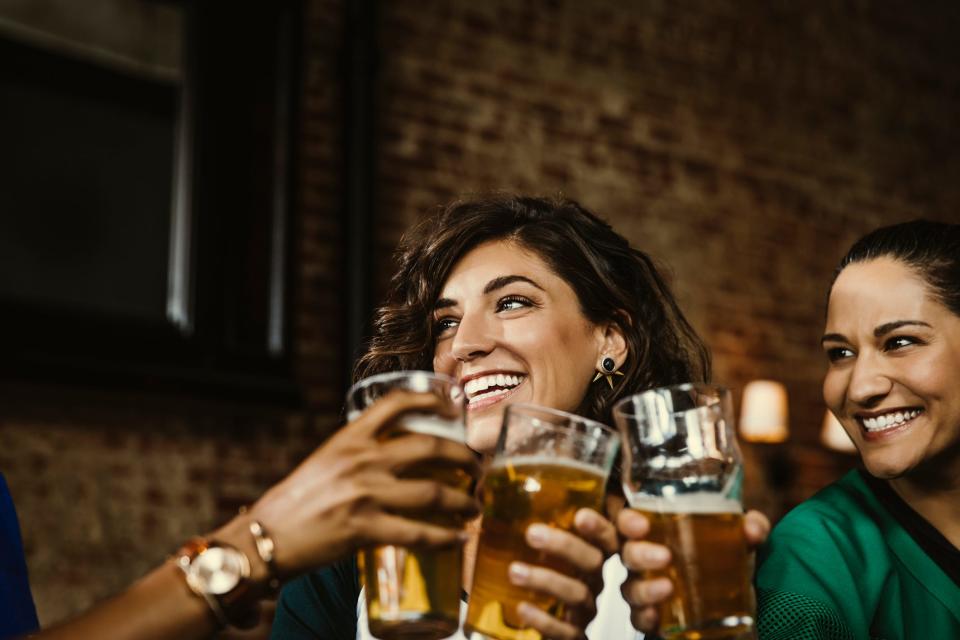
{"points": [[474, 337], [869, 384]]}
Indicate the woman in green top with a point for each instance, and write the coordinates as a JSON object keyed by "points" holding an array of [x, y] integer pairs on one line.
{"points": [[877, 554]]}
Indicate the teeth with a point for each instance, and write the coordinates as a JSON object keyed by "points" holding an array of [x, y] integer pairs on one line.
{"points": [[890, 420], [502, 381]]}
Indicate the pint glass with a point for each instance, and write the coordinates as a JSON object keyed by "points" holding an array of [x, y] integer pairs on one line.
{"points": [[682, 469], [548, 464], [414, 594]]}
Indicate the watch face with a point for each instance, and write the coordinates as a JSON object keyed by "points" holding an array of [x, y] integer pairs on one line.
{"points": [[217, 570]]}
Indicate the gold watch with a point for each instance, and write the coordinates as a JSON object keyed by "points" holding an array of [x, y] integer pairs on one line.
{"points": [[219, 573]]}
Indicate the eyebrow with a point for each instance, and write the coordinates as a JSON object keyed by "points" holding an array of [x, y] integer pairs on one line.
{"points": [[896, 324], [497, 283], [502, 281], [881, 330]]}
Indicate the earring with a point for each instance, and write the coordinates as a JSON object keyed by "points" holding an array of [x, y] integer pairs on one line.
{"points": [[608, 369]]}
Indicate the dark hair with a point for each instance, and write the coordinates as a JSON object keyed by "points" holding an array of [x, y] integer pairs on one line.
{"points": [[613, 282], [930, 249]]}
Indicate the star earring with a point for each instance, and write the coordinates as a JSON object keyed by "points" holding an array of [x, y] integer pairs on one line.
{"points": [[608, 369]]}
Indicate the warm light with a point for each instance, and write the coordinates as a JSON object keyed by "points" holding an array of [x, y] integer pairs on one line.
{"points": [[833, 435], [763, 412]]}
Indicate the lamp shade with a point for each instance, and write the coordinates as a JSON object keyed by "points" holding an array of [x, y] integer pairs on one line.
{"points": [[833, 435], [763, 412]]}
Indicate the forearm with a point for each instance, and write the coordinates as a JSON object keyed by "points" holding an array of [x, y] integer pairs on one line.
{"points": [[158, 606]]}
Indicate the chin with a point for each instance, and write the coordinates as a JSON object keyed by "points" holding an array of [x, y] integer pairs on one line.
{"points": [[483, 432], [884, 469]]}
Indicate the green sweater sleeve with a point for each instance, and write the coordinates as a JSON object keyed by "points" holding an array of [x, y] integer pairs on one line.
{"points": [[817, 578]]}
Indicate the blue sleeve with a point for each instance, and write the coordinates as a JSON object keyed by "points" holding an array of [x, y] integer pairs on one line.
{"points": [[19, 615], [321, 605]]}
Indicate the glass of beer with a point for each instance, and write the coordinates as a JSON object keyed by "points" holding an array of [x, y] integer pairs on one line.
{"points": [[547, 465], [682, 469], [414, 594]]}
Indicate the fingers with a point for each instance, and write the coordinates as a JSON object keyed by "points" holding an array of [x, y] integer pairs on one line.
{"points": [[645, 619], [568, 590], [409, 450], [632, 525], [550, 627], [579, 553], [424, 495], [397, 530], [597, 530], [644, 593], [645, 556], [756, 526], [391, 406]]}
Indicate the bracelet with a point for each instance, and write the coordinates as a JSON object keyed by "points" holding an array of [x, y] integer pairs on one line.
{"points": [[265, 549]]}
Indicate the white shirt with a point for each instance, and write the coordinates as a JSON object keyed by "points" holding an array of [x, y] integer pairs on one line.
{"points": [[613, 613]]}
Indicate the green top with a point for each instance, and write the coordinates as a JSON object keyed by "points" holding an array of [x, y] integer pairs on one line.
{"points": [[841, 566]]}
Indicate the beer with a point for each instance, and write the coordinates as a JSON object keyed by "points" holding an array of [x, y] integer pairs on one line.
{"points": [[710, 569], [518, 492], [414, 594], [683, 470]]}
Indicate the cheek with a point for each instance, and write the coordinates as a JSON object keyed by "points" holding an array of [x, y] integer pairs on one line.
{"points": [[443, 361], [833, 389]]}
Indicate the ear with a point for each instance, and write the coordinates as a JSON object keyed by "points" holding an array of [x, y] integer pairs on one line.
{"points": [[611, 342]]}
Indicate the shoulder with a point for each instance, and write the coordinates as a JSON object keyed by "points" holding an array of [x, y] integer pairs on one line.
{"points": [[843, 518], [321, 604]]}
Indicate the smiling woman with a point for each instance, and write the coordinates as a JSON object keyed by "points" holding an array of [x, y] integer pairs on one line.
{"points": [[521, 299], [878, 554]]}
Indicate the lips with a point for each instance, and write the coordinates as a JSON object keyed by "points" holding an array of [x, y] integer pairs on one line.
{"points": [[878, 425], [489, 388]]}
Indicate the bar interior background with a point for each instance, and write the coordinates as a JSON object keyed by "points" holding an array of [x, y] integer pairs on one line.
{"points": [[203, 345]]}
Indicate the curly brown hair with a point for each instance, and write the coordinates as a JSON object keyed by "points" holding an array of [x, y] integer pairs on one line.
{"points": [[613, 282]]}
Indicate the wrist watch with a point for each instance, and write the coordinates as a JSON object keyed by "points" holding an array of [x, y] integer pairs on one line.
{"points": [[219, 573]]}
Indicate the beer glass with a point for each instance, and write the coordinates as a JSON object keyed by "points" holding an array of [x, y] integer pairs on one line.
{"points": [[415, 593], [682, 469], [547, 465]]}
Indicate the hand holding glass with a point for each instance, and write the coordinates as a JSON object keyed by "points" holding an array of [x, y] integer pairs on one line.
{"points": [[548, 465], [415, 593], [682, 469]]}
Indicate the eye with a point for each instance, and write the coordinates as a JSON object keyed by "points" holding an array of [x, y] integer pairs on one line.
{"points": [[836, 354], [510, 303], [444, 325], [899, 342]]}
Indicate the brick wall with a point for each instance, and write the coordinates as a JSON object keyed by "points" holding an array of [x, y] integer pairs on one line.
{"points": [[108, 484], [744, 144]]}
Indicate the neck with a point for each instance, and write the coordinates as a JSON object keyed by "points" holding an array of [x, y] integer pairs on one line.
{"points": [[935, 495]]}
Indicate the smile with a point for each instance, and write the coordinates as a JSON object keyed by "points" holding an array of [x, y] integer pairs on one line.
{"points": [[887, 421], [489, 389]]}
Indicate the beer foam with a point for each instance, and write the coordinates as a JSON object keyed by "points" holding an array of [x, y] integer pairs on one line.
{"points": [[432, 425], [545, 460], [699, 502]]}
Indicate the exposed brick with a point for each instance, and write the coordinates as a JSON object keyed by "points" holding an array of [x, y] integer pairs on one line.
{"points": [[743, 144]]}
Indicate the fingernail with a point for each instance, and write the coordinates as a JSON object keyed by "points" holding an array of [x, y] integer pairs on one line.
{"points": [[657, 554], [537, 535], [519, 573], [660, 589], [524, 610], [585, 521]]}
